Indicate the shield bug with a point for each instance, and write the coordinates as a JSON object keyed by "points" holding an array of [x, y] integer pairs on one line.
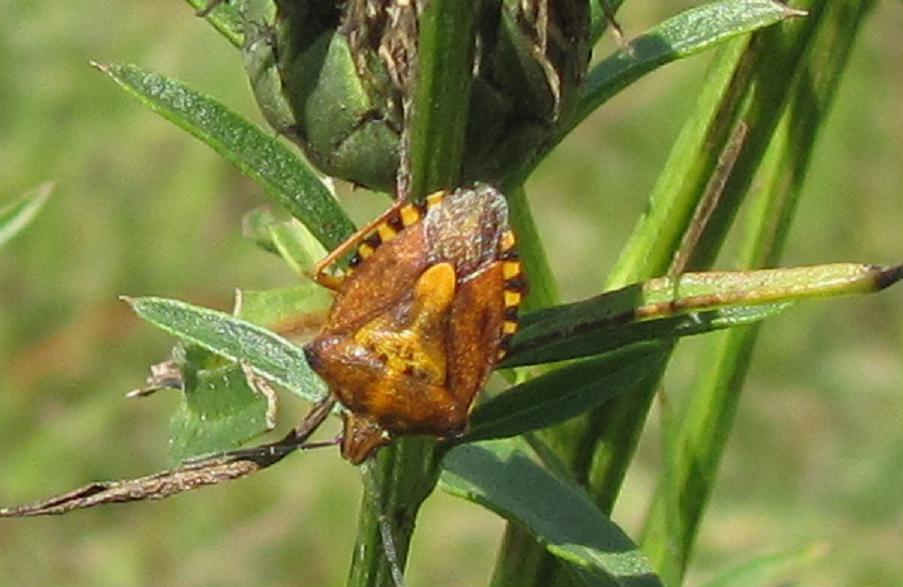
{"points": [[420, 318]]}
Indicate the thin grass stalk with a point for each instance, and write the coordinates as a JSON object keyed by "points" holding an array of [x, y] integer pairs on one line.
{"points": [[755, 95], [760, 82], [705, 425]]}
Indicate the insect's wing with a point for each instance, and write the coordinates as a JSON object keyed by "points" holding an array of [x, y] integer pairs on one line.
{"points": [[475, 332]]}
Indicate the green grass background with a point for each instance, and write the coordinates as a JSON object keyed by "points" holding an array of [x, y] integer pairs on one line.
{"points": [[143, 209]]}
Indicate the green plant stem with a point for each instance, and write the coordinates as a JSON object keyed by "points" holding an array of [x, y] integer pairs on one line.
{"points": [[700, 440], [404, 473], [441, 98], [543, 291], [395, 485], [693, 160]]}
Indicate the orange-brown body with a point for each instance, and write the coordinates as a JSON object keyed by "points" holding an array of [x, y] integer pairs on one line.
{"points": [[421, 319]]}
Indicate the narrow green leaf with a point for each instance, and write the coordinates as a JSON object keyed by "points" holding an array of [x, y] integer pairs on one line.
{"points": [[734, 118], [19, 213], [692, 303], [223, 405], [563, 393], [560, 516], [686, 34], [591, 336], [271, 356], [260, 156]]}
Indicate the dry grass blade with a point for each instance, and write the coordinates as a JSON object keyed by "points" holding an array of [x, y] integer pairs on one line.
{"points": [[150, 487]]}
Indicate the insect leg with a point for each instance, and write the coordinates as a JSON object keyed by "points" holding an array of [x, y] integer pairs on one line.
{"points": [[269, 454]]}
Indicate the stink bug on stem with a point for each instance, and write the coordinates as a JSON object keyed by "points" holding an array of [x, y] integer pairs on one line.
{"points": [[421, 316]]}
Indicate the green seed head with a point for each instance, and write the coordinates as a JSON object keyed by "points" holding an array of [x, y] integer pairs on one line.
{"points": [[335, 77]]}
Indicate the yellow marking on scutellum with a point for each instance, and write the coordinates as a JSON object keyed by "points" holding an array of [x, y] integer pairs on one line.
{"points": [[512, 298], [510, 269], [509, 327], [434, 199], [409, 215], [508, 241]]}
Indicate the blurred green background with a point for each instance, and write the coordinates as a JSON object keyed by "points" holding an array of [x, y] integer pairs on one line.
{"points": [[141, 208]]}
